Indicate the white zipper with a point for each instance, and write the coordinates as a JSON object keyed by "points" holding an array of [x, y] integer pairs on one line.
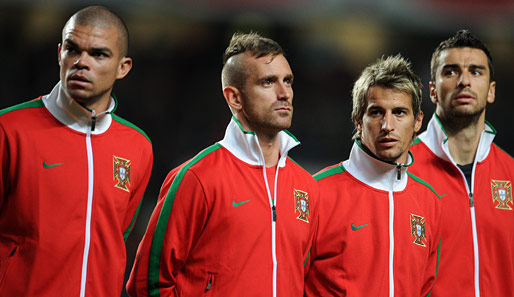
{"points": [[473, 228], [272, 202], [90, 186], [391, 243]]}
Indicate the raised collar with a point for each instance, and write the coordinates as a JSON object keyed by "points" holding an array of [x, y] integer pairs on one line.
{"points": [[74, 115], [437, 140], [374, 172], [245, 144]]}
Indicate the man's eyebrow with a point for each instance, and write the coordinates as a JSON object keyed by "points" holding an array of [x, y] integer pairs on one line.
{"points": [[268, 77], [289, 76], [70, 42], [94, 49], [474, 66]]}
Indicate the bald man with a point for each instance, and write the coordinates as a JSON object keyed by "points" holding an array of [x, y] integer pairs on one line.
{"points": [[73, 173], [238, 219]]}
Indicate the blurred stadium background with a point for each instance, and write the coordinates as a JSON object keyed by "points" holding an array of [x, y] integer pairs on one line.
{"points": [[174, 92]]}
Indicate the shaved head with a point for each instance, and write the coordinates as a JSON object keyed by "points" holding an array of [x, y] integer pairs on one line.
{"points": [[234, 71], [101, 17]]}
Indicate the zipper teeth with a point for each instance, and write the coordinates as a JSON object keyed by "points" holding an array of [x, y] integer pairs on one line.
{"points": [[273, 223], [391, 243], [87, 241], [474, 229]]}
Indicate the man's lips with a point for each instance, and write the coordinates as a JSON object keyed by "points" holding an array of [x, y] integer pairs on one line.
{"points": [[464, 97], [77, 78], [388, 141]]}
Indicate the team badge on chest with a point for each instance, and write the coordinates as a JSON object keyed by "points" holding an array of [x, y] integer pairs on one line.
{"points": [[502, 193], [302, 205], [121, 172], [417, 227]]}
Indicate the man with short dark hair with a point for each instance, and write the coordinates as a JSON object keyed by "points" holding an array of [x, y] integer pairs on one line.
{"points": [[237, 219], [72, 172], [379, 224], [457, 155]]}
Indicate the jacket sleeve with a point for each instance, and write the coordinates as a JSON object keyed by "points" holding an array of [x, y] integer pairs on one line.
{"points": [[4, 161], [324, 274], [174, 228], [434, 254], [136, 198]]}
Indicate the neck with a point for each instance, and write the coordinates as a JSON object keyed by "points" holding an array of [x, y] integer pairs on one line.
{"points": [[270, 148], [463, 137]]}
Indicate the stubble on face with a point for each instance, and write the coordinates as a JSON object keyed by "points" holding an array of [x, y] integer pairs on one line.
{"points": [[89, 61], [462, 87], [388, 124], [267, 96]]}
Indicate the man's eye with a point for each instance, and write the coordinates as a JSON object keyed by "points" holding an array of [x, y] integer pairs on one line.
{"points": [[476, 72], [449, 72], [288, 81], [267, 82], [99, 54], [69, 49]]}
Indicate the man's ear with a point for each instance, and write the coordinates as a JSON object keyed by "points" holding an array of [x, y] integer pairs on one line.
{"points": [[124, 67], [418, 122], [433, 92], [233, 97], [59, 47], [491, 93], [358, 126]]}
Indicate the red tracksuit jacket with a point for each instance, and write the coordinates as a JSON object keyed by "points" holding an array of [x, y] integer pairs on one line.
{"points": [[477, 257], [222, 227], [69, 196], [378, 231]]}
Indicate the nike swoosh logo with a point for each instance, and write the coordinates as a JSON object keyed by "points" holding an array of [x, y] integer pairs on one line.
{"points": [[440, 196], [234, 204], [355, 228], [50, 165]]}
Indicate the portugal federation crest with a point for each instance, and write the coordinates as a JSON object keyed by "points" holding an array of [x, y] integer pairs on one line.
{"points": [[302, 205], [417, 227], [121, 172], [502, 193]]}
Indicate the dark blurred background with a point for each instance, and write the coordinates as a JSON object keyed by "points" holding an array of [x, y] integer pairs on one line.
{"points": [[174, 92]]}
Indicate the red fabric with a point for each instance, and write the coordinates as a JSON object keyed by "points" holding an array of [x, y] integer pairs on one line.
{"points": [[43, 210], [206, 237], [494, 226], [349, 262]]}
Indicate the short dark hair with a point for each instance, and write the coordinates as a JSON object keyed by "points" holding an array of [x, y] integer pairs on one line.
{"points": [[463, 38], [252, 42], [103, 17], [258, 46]]}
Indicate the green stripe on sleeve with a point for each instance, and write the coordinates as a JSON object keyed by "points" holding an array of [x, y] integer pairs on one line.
{"points": [[329, 172], [160, 228], [419, 180], [129, 124], [29, 104], [437, 266], [307, 258], [129, 228]]}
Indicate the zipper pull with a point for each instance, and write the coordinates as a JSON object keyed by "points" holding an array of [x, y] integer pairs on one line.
{"points": [[93, 123], [399, 172], [471, 202], [274, 213], [209, 283]]}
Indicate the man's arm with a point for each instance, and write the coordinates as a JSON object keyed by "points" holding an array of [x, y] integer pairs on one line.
{"points": [[174, 228], [136, 198]]}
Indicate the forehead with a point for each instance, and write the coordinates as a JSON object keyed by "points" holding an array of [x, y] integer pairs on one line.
{"points": [[388, 98], [463, 57], [267, 65], [91, 35]]}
